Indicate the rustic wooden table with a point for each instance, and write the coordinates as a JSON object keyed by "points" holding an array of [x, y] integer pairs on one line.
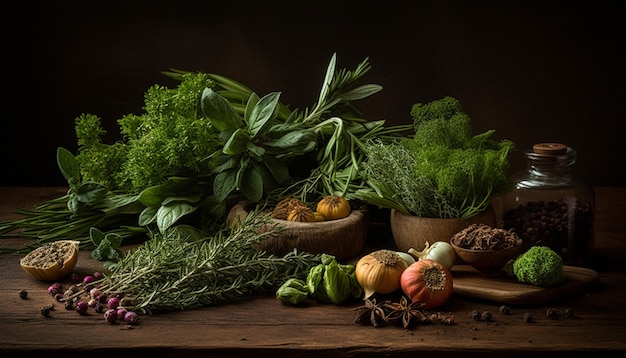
{"points": [[265, 327]]}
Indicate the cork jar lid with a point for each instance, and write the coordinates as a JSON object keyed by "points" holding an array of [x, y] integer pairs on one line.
{"points": [[550, 148]]}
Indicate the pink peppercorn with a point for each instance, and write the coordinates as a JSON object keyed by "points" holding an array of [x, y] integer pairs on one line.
{"points": [[54, 288], [131, 317], [110, 315], [81, 307], [121, 313], [113, 302]]}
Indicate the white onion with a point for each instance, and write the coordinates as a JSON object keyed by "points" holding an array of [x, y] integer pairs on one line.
{"points": [[439, 251]]}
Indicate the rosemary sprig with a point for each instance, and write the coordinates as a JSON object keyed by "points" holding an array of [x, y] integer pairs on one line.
{"points": [[173, 272]]}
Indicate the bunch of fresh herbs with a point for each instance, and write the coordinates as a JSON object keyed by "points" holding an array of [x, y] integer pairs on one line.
{"points": [[183, 269], [199, 148], [442, 171]]}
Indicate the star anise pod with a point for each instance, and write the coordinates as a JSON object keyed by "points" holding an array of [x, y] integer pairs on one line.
{"points": [[405, 313], [370, 313]]}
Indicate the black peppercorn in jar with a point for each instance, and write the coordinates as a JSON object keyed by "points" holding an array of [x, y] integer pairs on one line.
{"points": [[550, 206]]}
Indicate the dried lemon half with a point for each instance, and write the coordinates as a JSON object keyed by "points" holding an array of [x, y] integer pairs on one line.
{"points": [[51, 261]]}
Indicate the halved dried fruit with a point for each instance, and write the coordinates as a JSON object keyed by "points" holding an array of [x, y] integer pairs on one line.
{"points": [[51, 261]]}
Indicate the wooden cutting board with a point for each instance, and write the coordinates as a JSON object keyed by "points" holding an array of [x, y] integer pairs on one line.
{"points": [[470, 283]]}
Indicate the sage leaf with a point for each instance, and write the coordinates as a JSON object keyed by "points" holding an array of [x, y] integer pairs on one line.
{"points": [[262, 114], [107, 245], [96, 236], [68, 165], [90, 192], [219, 111], [224, 183], [277, 168], [148, 216], [73, 205], [252, 184], [155, 195], [192, 199], [252, 101], [227, 165], [168, 215], [255, 149], [237, 142]]}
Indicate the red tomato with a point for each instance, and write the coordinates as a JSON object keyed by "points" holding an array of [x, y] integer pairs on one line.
{"points": [[428, 282]]}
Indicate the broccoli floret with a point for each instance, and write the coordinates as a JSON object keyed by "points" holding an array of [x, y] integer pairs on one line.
{"points": [[539, 266]]}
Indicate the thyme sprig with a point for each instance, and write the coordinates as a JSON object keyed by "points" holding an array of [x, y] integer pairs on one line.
{"points": [[173, 271]]}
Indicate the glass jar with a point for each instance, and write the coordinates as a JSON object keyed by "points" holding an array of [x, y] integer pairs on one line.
{"points": [[550, 206]]}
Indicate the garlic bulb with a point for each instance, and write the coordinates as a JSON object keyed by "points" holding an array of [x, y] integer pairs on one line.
{"points": [[406, 257], [439, 251]]}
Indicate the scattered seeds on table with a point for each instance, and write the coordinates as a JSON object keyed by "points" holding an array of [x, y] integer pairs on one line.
{"points": [[528, 317], [23, 294], [45, 310], [486, 316], [476, 316], [552, 313]]}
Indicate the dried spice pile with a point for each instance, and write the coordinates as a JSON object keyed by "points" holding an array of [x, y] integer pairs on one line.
{"points": [[484, 237]]}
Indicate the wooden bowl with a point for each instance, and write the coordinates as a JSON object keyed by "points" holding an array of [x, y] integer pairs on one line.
{"points": [[411, 231], [342, 238], [487, 262]]}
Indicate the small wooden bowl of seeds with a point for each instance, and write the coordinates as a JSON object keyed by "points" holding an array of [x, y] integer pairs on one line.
{"points": [[485, 248]]}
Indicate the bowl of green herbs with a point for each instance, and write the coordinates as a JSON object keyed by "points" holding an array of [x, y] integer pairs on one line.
{"points": [[438, 180]]}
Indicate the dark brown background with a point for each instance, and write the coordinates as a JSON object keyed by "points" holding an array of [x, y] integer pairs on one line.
{"points": [[532, 70]]}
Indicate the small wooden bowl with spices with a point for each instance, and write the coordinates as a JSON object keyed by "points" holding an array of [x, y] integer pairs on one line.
{"points": [[485, 248], [343, 238]]}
